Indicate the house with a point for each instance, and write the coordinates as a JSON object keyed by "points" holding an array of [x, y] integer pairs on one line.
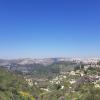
{"points": [[72, 81], [30, 82], [72, 73]]}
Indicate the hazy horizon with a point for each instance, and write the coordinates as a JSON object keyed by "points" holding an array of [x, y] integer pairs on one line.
{"points": [[43, 57]]}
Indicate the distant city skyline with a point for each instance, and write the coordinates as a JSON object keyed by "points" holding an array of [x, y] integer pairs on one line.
{"points": [[49, 28]]}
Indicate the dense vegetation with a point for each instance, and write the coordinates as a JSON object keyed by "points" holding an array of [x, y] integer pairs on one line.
{"points": [[14, 87]]}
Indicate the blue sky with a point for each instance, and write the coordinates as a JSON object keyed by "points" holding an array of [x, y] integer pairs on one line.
{"points": [[49, 28]]}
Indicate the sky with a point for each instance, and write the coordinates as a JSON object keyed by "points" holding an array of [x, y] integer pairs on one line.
{"points": [[49, 28]]}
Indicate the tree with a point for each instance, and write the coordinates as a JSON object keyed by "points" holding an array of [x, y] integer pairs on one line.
{"points": [[98, 63]]}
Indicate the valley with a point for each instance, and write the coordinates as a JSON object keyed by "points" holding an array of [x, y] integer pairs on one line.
{"points": [[51, 79]]}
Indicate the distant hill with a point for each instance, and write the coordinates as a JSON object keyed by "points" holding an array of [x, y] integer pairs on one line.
{"points": [[47, 66], [45, 61]]}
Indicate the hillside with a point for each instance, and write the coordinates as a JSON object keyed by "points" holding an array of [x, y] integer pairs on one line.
{"points": [[14, 87], [62, 80]]}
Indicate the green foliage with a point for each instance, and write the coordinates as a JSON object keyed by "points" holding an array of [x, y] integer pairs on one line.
{"points": [[11, 85]]}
